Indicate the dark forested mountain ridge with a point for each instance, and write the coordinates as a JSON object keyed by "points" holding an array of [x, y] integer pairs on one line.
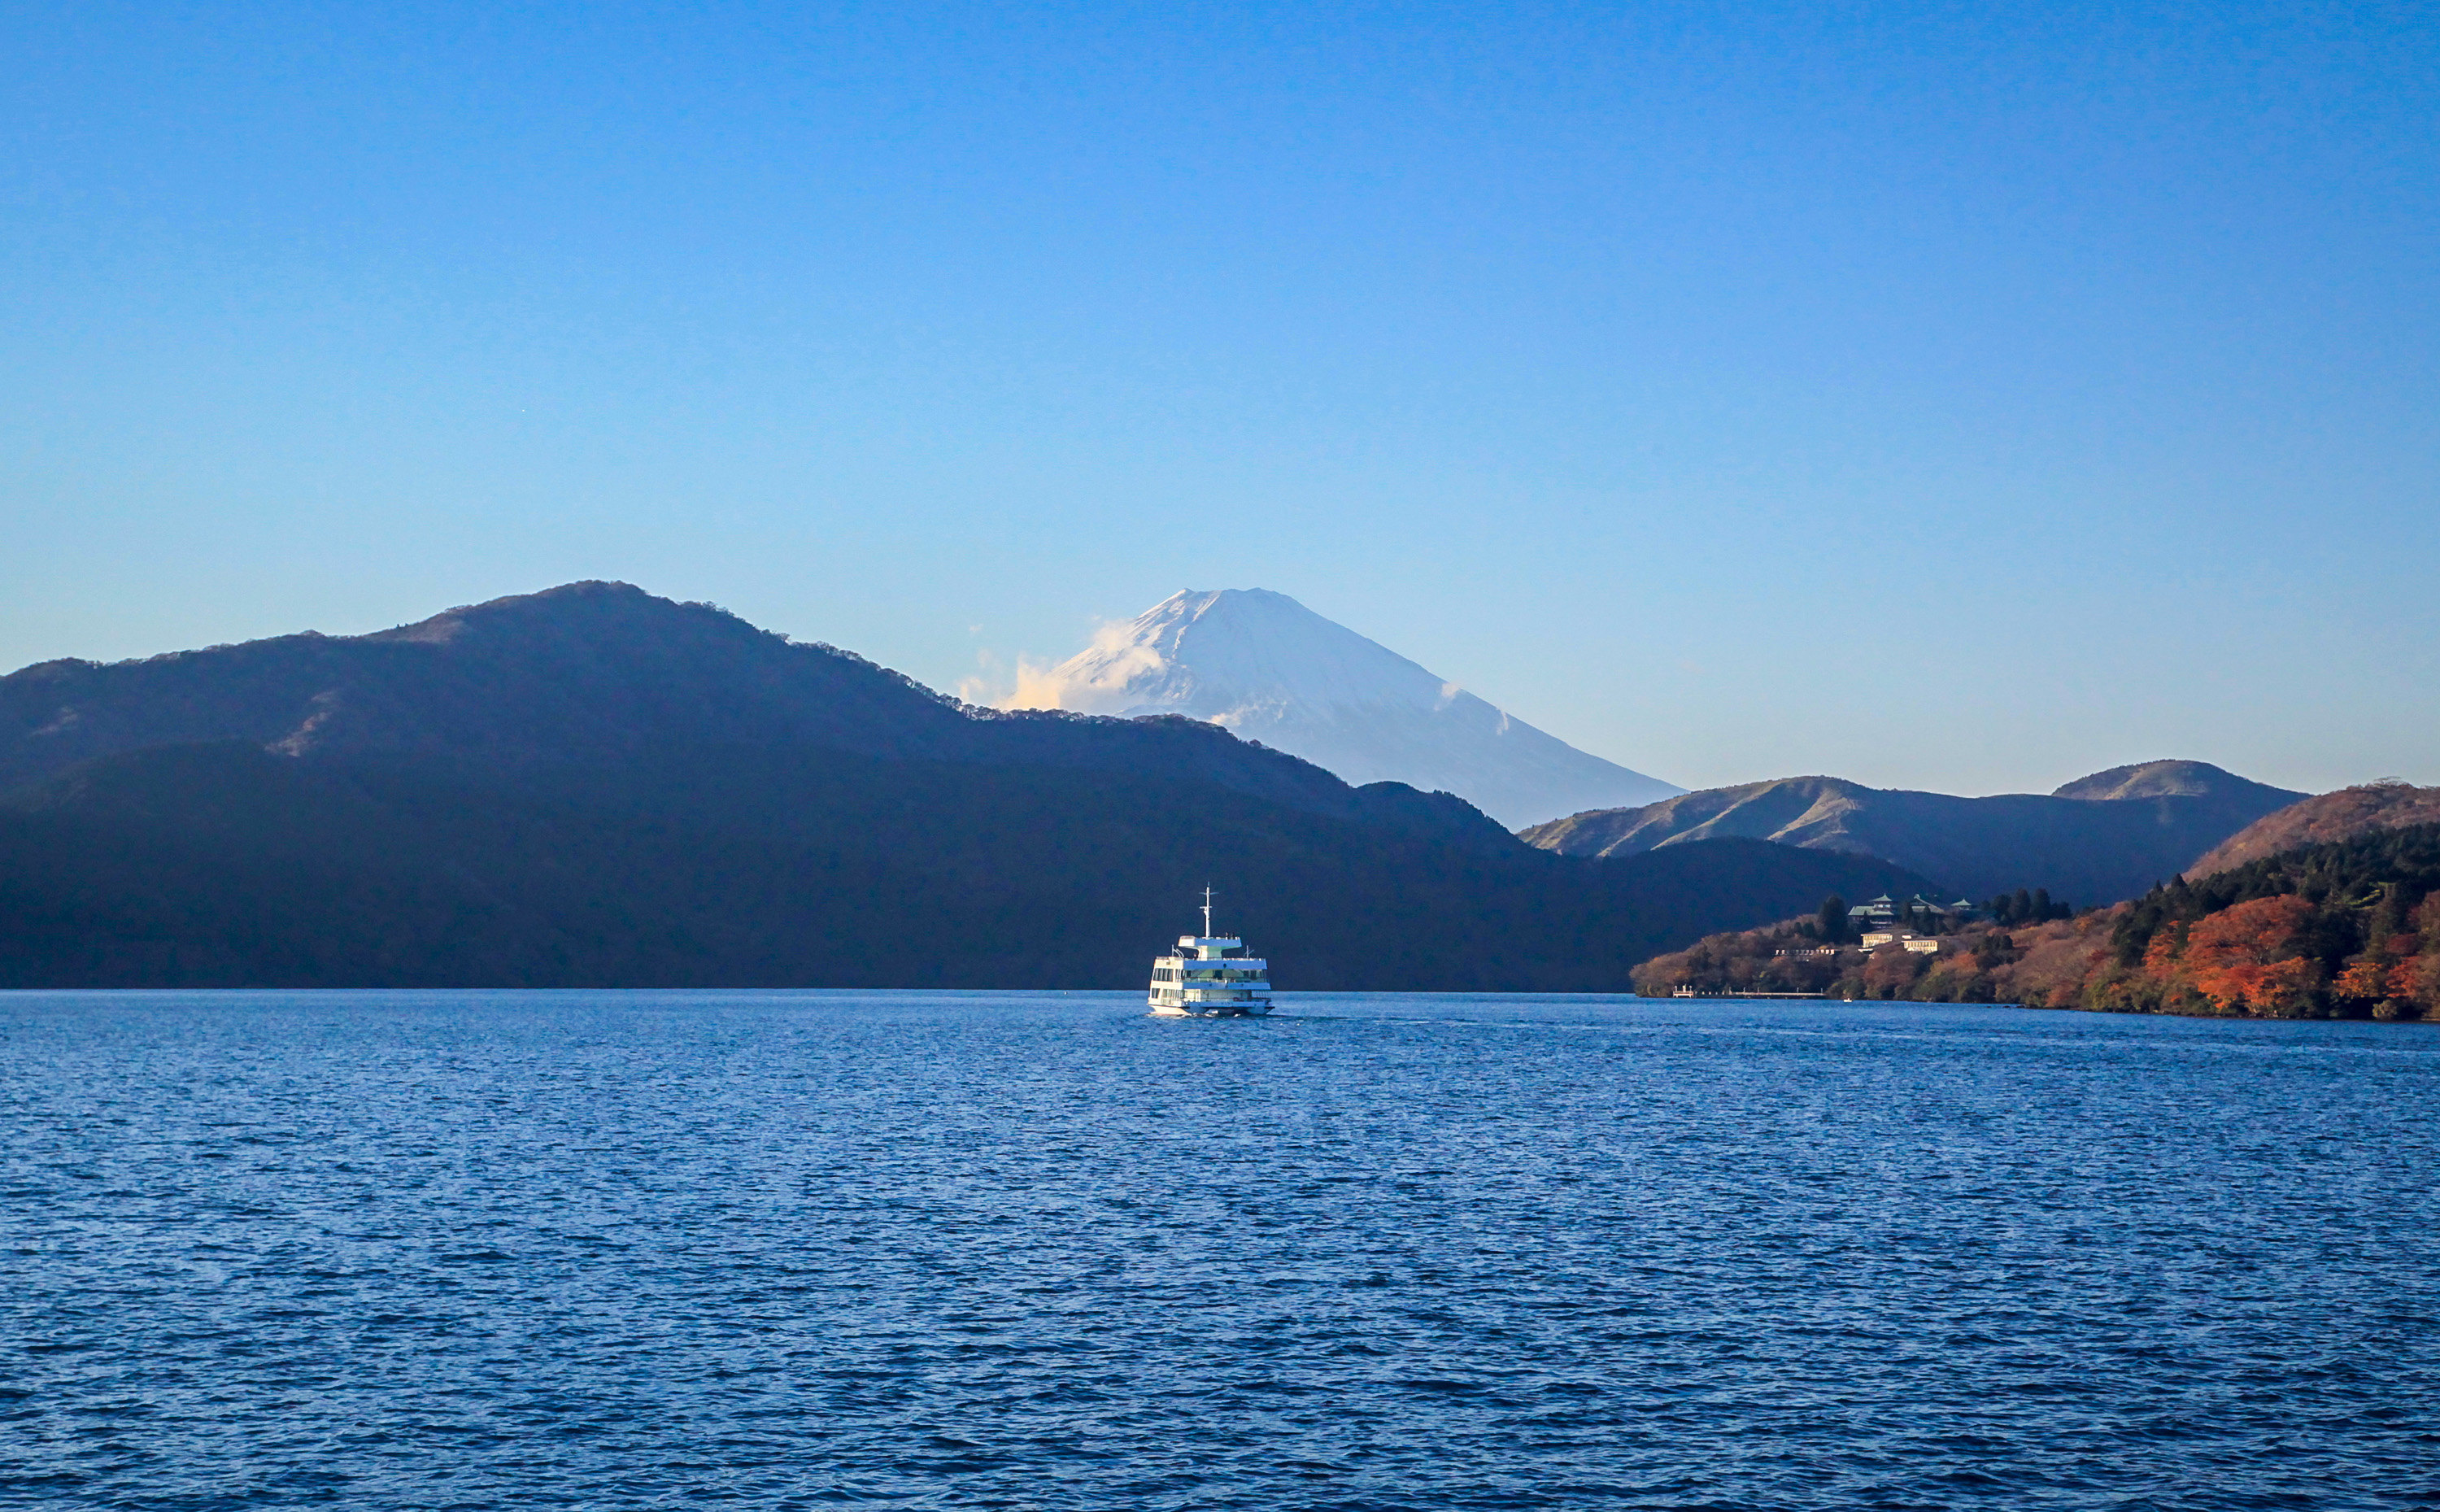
{"points": [[228, 864], [2098, 839], [584, 674], [596, 786]]}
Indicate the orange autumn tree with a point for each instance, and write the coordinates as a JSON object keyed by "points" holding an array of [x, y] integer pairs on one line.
{"points": [[2245, 958], [2367, 978]]}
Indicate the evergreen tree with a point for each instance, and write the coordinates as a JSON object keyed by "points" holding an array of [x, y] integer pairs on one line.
{"points": [[2390, 916]]}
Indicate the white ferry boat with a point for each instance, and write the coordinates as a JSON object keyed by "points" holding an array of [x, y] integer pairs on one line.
{"points": [[1204, 980]]}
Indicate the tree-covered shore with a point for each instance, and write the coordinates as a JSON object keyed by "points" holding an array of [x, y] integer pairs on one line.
{"points": [[2349, 930]]}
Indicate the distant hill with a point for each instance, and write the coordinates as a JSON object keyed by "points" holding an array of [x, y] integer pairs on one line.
{"points": [[2097, 840], [2341, 815], [2162, 780], [596, 786], [1270, 669]]}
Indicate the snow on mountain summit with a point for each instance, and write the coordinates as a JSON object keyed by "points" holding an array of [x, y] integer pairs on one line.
{"points": [[1209, 655], [1270, 669]]}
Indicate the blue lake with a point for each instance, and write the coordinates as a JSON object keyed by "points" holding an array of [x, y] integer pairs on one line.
{"points": [[412, 1249]]}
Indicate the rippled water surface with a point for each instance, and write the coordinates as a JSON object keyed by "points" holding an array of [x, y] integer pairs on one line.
{"points": [[897, 1250]]}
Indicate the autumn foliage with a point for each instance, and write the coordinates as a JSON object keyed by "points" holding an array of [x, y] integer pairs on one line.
{"points": [[2245, 958], [2344, 929]]}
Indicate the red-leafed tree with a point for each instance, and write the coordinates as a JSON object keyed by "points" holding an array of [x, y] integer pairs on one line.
{"points": [[2244, 959]]}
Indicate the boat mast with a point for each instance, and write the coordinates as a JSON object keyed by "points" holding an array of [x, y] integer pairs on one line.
{"points": [[1207, 913]]}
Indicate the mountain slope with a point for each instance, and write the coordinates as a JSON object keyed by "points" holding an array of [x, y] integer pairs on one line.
{"points": [[228, 864], [584, 670], [2097, 840], [595, 786], [1263, 665], [2344, 815], [587, 673]]}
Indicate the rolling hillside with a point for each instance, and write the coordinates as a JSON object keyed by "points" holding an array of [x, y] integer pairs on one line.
{"points": [[2344, 815], [2097, 840]]}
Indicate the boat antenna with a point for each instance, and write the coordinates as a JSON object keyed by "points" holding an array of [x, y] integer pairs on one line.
{"points": [[1207, 911]]}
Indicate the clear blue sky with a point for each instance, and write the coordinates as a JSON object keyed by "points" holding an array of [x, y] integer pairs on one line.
{"points": [[1960, 396]]}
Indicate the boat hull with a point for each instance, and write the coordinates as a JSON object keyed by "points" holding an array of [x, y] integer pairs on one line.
{"points": [[1231, 1010]]}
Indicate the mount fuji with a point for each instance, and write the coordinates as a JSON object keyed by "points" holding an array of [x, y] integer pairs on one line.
{"points": [[1267, 667]]}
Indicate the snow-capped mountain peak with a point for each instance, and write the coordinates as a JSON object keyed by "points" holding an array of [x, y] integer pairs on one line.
{"points": [[1212, 653], [1268, 668]]}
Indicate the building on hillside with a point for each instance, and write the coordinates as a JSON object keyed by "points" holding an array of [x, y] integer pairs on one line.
{"points": [[1888, 911], [1877, 910], [1918, 945]]}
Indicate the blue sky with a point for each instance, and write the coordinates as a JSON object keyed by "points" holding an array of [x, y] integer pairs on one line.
{"points": [[1964, 397]]}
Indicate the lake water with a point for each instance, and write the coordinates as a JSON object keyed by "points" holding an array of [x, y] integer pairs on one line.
{"points": [[903, 1249]]}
